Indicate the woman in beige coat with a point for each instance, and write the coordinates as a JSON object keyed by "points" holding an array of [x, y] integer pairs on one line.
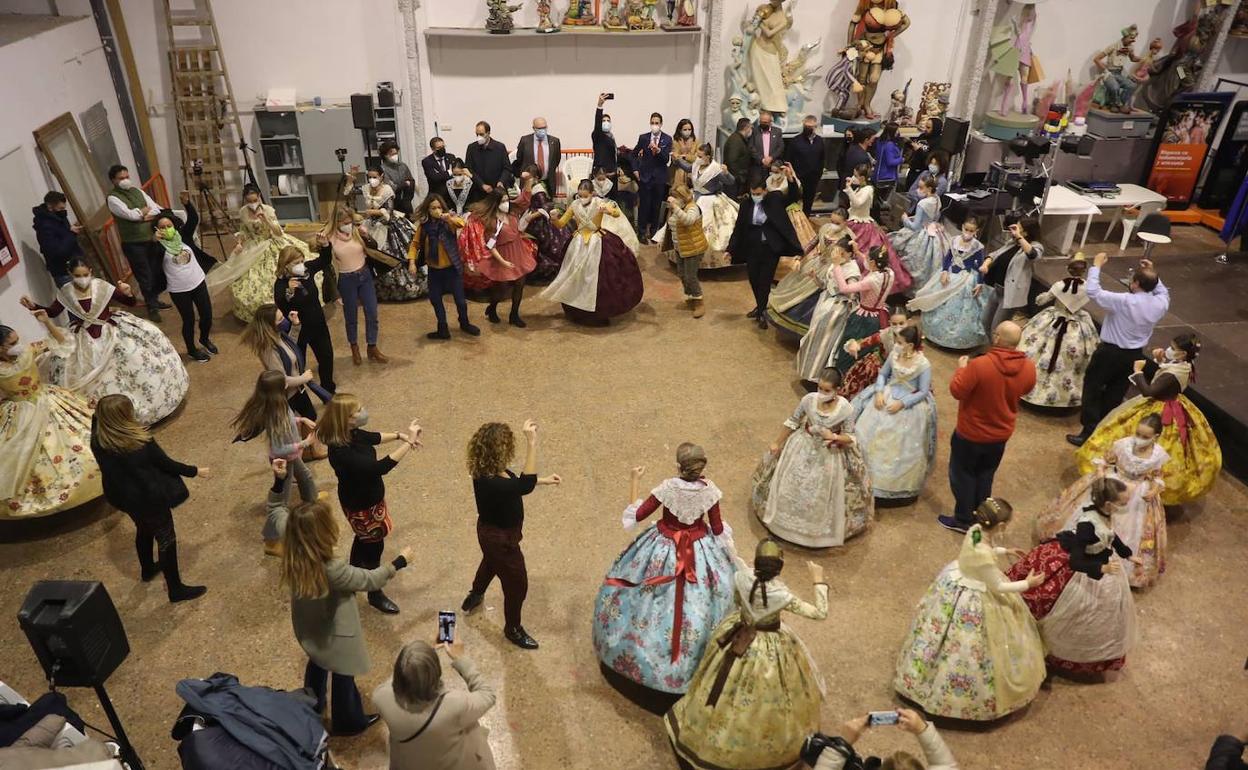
{"points": [[323, 607], [431, 728]]}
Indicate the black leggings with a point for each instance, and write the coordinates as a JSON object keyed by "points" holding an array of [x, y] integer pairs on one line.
{"points": [[187, 303], [323, 348]]}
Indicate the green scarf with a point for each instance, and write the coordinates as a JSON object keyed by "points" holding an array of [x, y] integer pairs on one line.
{"points": [[173, 246]]}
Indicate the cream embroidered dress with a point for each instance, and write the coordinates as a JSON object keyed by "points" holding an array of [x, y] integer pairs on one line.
{"points": [[1060, 341], [251, 270]]}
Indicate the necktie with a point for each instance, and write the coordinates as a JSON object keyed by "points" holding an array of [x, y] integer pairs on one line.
{"points": [[541, 157]]}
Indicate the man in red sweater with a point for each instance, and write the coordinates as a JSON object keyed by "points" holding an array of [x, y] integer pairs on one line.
{"points": [[988, 390]]}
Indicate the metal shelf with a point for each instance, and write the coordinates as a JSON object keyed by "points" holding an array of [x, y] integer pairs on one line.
{"points": [[531, 33]]}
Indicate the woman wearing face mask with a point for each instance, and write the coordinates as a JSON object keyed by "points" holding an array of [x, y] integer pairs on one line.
{"points": [[871, 314], [1195, 456], [1137, 461], [436, 247], [922, 242], [867, 232], [252, 265], [459, 187], [267, 337], [356, 282], [937, 169], [871, 352], [922, 147], [551, 241], [113, 351], [832, 311], [811, 487], [294, 292], [896, 421], [1061, 339], [392, 232], [954, 300], [1084, 605], [45, 432], [684, 153], [784, 180], [493, 241], [184, 276], [599, 278], [398, 177], [361, 480]]}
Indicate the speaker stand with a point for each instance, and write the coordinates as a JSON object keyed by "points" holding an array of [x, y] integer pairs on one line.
{"points": [[128, 754]]}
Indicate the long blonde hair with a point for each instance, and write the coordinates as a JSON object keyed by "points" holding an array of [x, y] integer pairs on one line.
{"points": [[490, 449], [261, 335], [285, 257], [116, 430], [311, 535], [266, 410], [333, 427]]}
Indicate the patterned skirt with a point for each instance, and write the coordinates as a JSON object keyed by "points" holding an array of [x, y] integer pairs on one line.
{"points": [[900, 448], [653, 586], [868, 235], [860, 325], [61, 471], [813, 496], [827, 328], [957, 323], [619, 283], [920, 252], [397, 284], [552, 242], [1060, 345], [862, 374]]}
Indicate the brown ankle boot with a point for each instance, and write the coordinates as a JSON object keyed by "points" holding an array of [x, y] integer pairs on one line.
{"points": [[376, 355], [698, 309], [356, 358]]}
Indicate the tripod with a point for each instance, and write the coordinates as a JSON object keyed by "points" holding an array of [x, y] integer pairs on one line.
{"points": [[245, 148], [212, 206]]}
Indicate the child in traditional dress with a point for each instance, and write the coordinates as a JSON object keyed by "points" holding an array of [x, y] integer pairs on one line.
{"points": [[954, 300], [792, 302], [827, 323], [778, 180], [922, 243], [458, 188], [1061, 339], [871, 315], [494, 244], [868, 234], [870, 353]]}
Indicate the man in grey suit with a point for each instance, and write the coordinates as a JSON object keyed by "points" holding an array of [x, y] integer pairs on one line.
{"points": [[539, 149], [767, 143]]}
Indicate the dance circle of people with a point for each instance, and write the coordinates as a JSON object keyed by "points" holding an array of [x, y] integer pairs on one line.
{"points": [[679, 612]]}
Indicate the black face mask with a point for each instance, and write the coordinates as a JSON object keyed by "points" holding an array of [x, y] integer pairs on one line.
{"points": [[808, 130], [764, 126], [440, 151], [63, 213]]}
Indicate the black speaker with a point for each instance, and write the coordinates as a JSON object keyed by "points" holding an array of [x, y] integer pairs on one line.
{"points": [[73, 625], [385, 94], [362, 111], [953, 138]]}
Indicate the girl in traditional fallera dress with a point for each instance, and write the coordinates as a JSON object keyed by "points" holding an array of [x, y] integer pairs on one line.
{"points": [[921, 243], [973, 651], [672, 585], [871, 315], [494, 243], [707, 181], [954, 300], [112, 351], [1195, 456], [252, 265], [831, 314], [896, 420], [793, 302], [867, 233], [551, 241], [45, 432], [599, 278], [1137, 461], [779, 181], [1061, 339], [1084, 606], [392, 232], [756, 694], [812, 487], [871, 352], [458, 187]]}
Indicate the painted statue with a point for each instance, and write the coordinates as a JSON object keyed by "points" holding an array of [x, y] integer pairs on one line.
{"points": [[799, 79], [934, 102], [1116, 87], [581, 13], [544, 23], [614, 20], [842, 81], [768, 54], [1179, 70], [878, 22], [1011, 57], [899, 111], [499, 21], [684, 14], [640, 14]]}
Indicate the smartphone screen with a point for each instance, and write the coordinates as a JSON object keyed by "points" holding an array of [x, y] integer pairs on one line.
{"points": [[446, 626], [877, 718]]}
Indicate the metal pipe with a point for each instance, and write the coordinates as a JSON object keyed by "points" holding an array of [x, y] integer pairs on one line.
{"points": [[100, 13]]}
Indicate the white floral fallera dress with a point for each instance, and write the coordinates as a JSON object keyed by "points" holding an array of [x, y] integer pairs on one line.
{"points": [[1060, 341]]}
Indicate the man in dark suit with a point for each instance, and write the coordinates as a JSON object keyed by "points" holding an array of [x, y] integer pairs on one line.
{"points": [[605, 148], [437, 166], [767, 143], [806, 153], [542, 150], [737, 154], [651, 155], [762, 235], [489, 163]]}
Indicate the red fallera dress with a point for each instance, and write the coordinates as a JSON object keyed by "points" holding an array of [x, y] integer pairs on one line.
{"points": [[514, 246]]}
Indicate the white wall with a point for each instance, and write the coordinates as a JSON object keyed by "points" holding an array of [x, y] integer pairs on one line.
{"points": [[62, 70]]}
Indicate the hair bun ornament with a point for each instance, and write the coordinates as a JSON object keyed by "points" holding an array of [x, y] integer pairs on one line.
{"points": [[768, 549]]}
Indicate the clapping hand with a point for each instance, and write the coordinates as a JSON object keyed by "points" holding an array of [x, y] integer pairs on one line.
{"points": [[294, 317], [1100, 259], [305, 422], [530, 430], [637, 471], [203, 472], [413, 432], [816, 571], [29, 304], [1138, 366], [406, 553]]}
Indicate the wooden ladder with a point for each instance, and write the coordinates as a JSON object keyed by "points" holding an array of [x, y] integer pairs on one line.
{"points": [[209, 130]]}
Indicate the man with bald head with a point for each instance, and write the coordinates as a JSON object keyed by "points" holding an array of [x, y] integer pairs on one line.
{"points": [[542, 150], [987, 390]]}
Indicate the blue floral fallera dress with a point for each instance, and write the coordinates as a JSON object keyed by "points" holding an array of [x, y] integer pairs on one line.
{"points": [[901, 446], [953, 316]]}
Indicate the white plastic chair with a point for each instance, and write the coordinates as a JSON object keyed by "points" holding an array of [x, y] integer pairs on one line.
{"points": [[1129, 225], [575, 169]]}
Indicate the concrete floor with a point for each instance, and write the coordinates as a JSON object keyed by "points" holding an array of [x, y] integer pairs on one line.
{"points": [[607, 399]]}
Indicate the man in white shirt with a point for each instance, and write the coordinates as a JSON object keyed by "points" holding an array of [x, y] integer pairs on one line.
{"points": [[134, 211]]}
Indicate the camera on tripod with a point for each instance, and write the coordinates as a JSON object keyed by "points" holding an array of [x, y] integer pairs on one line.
{"points": [[341, 154], [197, 167]]}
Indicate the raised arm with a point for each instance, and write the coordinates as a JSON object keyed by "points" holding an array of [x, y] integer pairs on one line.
{"points": [[850, 287], [1107, 299], [816, 611]]}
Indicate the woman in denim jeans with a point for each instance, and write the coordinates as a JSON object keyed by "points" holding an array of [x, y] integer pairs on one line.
{"points": [[355, 282]]}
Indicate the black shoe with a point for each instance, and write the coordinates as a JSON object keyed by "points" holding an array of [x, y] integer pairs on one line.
{"points": [[199, 355], [762, 321], [515, 320], [161, 305], [443, 333], [211, 348], [369, 721], [472, 601], [382, 603], [519, 637], [469, 329], [185, 593], [755, 313], [952, 524], [1077, 439], [148, 573], [491, 314]]}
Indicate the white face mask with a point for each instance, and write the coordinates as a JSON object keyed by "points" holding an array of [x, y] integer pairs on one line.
{"points": [[606, 126], [482, 139], [505, 206], [15, 350], [825, 397], [255, 206], [82, 282], [896, 328], [126, 184], [1171, 354], [392, 157], [934, 169], [757, 198], [345, 229], [687, 132], [374, 181], [1140, 442], [299, 269], [656, 129]]}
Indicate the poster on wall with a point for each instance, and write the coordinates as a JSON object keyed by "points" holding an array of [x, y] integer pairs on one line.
{"points": [[8, 249], [1183, 138]]}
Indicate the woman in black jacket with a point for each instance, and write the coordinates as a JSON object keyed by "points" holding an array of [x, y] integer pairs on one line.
{"points": [[295, 289], [141, 480], [361, 482]]}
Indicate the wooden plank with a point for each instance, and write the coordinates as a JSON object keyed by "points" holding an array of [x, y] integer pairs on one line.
{"points": [[136, 87]]}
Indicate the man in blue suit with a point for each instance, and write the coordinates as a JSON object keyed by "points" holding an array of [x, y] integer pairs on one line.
{"points": [[653, 151]]}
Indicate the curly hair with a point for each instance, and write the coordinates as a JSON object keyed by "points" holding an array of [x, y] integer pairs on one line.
{"points": [[490, 449]]}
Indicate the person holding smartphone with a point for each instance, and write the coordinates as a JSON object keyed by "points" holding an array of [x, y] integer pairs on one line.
{"points": [[431, 726], [500, 495], [833, 754]]}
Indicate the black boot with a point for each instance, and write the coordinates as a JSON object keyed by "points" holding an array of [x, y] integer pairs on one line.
{"points": [[178, 591], [443, 333], [468, 328], [515, 320], [149, 568], [491, 313], [379, 601]]}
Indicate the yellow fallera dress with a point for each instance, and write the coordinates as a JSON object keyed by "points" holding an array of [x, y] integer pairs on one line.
{"points": [[251, 269], [45, 442], [756, 694]]}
